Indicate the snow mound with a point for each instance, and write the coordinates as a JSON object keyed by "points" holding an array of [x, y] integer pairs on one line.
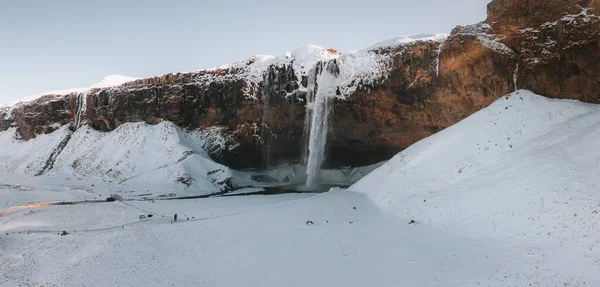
{"points": [[27, 157], [312, 54], [253, 70], [525, 170], [178, 161], [112, 81]]}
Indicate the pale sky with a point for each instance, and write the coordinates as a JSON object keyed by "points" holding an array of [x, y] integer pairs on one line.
{"points": [[60, 44]]}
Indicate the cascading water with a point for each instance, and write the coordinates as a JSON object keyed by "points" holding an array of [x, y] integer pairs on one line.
{"points": [[310, 100], [81, 109], [266, 145], [318, 109], [516, 76], [437, 61]]}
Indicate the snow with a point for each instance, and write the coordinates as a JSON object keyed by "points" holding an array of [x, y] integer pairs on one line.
{"points": [[406, 40], [246, 190], [583, 15], [233, 241], [252, 70], [306, 58], [112, 81], [523, 172], [27, 157]]}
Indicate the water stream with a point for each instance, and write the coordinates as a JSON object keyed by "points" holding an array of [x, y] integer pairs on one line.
{"points": [[322, 91]]}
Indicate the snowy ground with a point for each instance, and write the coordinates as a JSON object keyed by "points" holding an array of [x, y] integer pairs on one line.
{"points": [[238, 241], [507, 197]]}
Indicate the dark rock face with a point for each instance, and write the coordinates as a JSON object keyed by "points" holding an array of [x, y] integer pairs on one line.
{"points": [[44, 115], [255, 118]]}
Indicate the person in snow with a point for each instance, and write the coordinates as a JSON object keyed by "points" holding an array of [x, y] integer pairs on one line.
{"points": [[175, 217]]}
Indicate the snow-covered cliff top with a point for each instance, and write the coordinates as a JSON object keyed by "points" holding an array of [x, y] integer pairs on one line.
{"points": [[252, 70], [108, 81]]}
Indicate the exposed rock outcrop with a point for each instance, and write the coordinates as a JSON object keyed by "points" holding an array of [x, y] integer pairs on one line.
{"points": [[253, 112]]}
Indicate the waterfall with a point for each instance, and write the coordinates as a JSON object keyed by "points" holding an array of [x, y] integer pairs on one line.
{"points": [[81, 109], [310, 100], [318, 108], [516, 76], [266, 100], [437, 61]]}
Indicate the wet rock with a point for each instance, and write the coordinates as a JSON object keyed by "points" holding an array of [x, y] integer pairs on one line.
{"points": [[114, 197], [185, 180], [264, 178]]}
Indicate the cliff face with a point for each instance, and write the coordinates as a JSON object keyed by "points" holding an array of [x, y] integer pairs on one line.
{"points": [[387, 98], [559, 53]]}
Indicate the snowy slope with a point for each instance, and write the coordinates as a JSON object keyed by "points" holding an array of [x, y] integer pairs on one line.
{"points": [[525, 171], [143, 156], [162, 158], [27, 157]]}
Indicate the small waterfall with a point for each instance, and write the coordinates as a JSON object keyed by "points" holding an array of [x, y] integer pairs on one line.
{"points": [[516, 76], [319, 107], [264, 135], [81, 109], [437, 61], [81, 102]]}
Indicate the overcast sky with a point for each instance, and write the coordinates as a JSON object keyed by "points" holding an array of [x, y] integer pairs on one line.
{"points": [[50, 45]]}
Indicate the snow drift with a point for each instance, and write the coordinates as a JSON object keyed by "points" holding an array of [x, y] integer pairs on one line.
{"points": [[163, 157], [525, 170]]}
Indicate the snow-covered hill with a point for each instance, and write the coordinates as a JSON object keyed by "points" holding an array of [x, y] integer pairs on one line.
{"points": [[524, 171], [162, 158]]}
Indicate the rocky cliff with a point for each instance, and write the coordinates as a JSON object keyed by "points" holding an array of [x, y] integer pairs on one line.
{"points": [[387, 97]]}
